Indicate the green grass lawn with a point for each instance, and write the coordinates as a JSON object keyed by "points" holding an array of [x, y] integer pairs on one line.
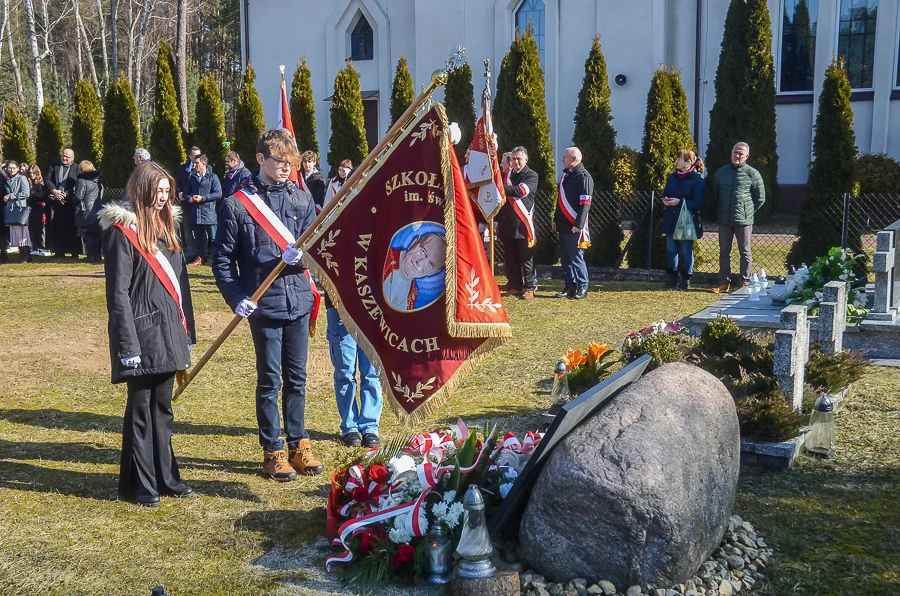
{"points": [[62, 530]]}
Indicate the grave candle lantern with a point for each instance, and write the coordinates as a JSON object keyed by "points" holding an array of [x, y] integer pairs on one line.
{"points": [[560, 395], [475, 546], [820, 440], [439, 555]]}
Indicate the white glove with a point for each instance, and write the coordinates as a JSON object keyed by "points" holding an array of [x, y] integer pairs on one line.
{"points": [[245, 308], [132, 362], [291, 256], [455, 133], [190, 347]]}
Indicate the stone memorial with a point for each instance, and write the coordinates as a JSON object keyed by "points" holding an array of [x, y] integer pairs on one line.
{"points": [[832, 317], [885, 266], [792, 353], [642, 491]]}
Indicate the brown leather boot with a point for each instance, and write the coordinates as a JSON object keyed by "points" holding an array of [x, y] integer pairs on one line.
{"points": [[276, 466], [302, 459]]}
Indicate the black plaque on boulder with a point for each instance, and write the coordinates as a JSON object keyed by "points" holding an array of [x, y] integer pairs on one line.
{"points": [[569, 417]]}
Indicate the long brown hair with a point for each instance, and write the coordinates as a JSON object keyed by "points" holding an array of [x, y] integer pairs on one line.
{"points": [[152, 225]]}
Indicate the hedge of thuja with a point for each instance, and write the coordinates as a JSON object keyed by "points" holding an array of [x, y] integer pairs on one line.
{"points": [[49, 143], [459, 94], [402, 92], [348, 127], [303, 109], [16, 144], [87, 124], [166, 143], [249, 121]]}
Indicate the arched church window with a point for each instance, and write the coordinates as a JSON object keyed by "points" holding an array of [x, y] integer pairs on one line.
{"points": [[532, 12], [362, 40]]}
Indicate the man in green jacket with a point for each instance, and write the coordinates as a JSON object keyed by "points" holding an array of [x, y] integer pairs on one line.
{"points": [[738, 193]]}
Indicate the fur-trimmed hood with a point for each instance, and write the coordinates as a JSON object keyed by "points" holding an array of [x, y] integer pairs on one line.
{"points": [[123, 213]]}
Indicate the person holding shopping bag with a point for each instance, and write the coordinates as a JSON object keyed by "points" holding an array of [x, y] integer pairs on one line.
{"points": [[683, 198]]}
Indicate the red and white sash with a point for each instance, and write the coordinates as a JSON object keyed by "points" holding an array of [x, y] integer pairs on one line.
{"points": [[263, 215], [160, 266], [518, 206], [584, 240]]}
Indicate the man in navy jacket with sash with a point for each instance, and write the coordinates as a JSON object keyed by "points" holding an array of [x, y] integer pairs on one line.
{"points": [[575, 189], [515, 227], [244, 253]]}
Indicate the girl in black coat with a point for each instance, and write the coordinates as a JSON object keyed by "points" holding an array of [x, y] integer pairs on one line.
{"points": [[151, 328]]}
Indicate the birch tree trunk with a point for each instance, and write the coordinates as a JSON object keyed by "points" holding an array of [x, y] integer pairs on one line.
{"points": [[133, 22], [146, 10], [79, 24], [113, 30], [181, 63], [103, 43], [78, 52], [12, 55], [48, 41], [35, 56]]}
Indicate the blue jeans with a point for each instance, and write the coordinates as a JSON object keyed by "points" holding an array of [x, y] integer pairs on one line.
{"points": [[575, 270], [680, 252], [281, 351], [203, 237], [348, 358]]}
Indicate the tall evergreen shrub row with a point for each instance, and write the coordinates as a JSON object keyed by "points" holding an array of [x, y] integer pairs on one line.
{"points": [[166, 144], [16, 144], [459, 99], [402, 92], [209, 126], [49, 143], [744, 109], [303, 109], [520, 118], [249, 121], [348, 131], [832, 172], [595, 136], [121, 135], [87, 124]]}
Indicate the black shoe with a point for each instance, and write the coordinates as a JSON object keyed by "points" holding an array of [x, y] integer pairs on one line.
{"points": [[565, 294], [351, 440], [183, 492], [370, 440], [147, 500], [671, 278], [684, 282], [580, 294]]}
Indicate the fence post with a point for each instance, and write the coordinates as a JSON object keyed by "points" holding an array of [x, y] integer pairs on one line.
{"points": [[650, 231], [845, 225]]}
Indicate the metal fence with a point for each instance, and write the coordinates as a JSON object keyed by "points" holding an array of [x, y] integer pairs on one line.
{"points": [[619, 223]]}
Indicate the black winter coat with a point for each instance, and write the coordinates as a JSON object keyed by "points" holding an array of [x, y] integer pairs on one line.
{"points": [[523, 185], [231, 185], [143, 318], [67, 184], [208, 187], [244, 254], [88, 198], [316, 184], [690, 190], [183, 177], [579, 189]]}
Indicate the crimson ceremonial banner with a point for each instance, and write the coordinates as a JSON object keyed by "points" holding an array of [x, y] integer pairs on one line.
{"points": [[403, 261]]}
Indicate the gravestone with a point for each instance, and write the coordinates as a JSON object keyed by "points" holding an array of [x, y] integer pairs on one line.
{"points": [[887, 272], [833, 317], [792, 352]]}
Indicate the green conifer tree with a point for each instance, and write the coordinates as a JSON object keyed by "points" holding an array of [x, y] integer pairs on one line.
{"points": [[595, 136], [209, 126], [656, 162], [16, 144], [832, 172], [121, 135], [49, 143], [348, 131], [173, 69], [459, 100], [249, 121], [744, 109], [682, 136], [165, 130], [520, 118], [303, 109], [402, 92], [87, 124]]}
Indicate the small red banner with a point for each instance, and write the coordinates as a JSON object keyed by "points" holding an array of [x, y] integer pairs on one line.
{"points": [[404, 263]]}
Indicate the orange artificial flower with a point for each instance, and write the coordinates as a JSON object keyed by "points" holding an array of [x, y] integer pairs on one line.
{"points": [[597, 350], [574, 360]]}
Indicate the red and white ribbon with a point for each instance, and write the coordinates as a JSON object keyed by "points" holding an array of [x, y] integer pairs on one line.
{"points": [[584, 240], [523, 214]]}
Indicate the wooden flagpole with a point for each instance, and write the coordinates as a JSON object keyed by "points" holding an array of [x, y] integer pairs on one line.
{"points": [[438, 78], [491, 240]]}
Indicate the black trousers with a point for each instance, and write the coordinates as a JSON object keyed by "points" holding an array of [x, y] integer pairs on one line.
{"points": [[93, 245], [518, 261], [148, 463]]}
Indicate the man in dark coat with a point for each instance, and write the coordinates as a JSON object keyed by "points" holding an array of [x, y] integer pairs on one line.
{"points": [[243, 255], [182, 179], [236, 176], [576, 187], [313, 178], [515, 227], [204, 192], [61, 179]]}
